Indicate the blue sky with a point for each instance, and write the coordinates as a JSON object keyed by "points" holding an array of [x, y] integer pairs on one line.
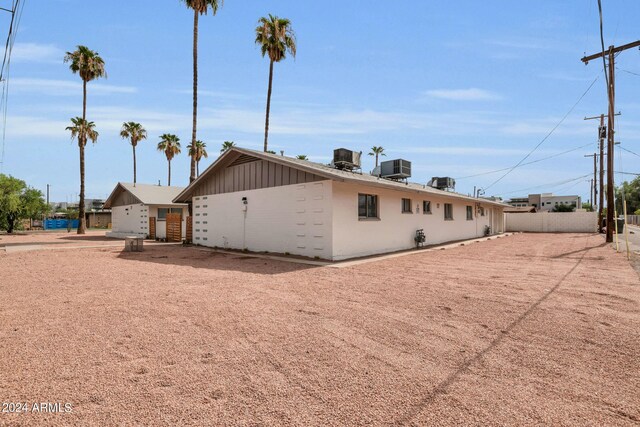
{"points": [[458, 88]]}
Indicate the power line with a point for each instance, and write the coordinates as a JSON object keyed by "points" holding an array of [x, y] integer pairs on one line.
{"points": [[16, 17], [628, 151], [528, 163], [547, 136], [550, 185], [627, 71]]}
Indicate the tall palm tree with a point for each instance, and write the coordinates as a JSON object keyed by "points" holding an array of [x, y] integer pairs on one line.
{"points": [[200, 7], [135, 133], [377, 151], [83, 131], [226, 145], [275, 37], [198, 151], [90, 66], [170, 145]]}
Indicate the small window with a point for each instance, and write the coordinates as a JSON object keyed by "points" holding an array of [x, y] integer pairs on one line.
{"points": [[448, 211], [406, 206], [367, 206], [469, 213], [426, 207], [162, 213]]}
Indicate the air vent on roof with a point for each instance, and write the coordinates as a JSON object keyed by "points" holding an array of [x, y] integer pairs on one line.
{"points": [[395, 169], [346, 159], [442, 183]]}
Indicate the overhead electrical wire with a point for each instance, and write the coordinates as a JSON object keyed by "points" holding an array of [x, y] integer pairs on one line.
{"points": [[551, 185], [527, 163], [16, 16], [511, 169], [629, 151]]}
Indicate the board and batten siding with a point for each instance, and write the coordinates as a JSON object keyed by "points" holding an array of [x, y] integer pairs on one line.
{"points": [[252, 175], [124, 198]]}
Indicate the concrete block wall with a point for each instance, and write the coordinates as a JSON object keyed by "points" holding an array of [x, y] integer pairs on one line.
{"points": [[552, 222]]}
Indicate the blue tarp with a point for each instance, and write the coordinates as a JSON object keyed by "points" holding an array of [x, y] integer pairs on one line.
{"points": [[52, 224]]}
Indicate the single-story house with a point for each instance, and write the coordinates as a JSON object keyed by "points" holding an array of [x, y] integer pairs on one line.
{"points": [[265, 202], [146, 210]]}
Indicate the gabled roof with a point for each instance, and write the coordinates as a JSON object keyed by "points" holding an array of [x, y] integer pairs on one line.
{"points": [[147, 194], [243, 154]]}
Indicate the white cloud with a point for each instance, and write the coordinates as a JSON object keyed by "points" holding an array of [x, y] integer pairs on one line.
{"points": [[35, 52], [65, 87], [472, 94], [461, 151]]}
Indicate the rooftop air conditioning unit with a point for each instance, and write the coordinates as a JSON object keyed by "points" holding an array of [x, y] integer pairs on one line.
{"points": [[346, 159], [395, 169], [442, 183]]}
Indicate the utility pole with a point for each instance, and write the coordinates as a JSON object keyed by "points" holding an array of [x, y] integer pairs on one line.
{"points": [[602, 134], [594, 183], [611, 91]]}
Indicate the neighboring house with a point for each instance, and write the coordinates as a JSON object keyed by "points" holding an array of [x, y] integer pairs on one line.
{"points": [[142, 210], [98, 219], [546, 201], [265, 202]]}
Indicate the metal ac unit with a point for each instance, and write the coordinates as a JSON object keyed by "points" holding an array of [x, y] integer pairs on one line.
{"points": [[442, 183], [346, 159], [395, 169]]}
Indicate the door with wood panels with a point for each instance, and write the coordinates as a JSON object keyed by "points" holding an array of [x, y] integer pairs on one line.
{"points": [[152, 228], [174, 227]]}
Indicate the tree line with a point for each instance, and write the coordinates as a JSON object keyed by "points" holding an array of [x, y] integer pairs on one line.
{"points": [[273, 34]]}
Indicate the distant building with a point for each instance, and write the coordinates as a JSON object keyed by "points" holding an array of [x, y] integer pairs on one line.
{"points": [[545, 201]]}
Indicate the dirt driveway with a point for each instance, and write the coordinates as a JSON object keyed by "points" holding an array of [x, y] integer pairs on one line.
{"points": [[533, 329]]}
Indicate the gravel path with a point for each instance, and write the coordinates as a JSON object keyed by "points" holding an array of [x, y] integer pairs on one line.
{"points": [[534, 329]]}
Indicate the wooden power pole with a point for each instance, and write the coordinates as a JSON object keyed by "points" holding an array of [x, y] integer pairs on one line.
{"points": [[602, 134], [594, 181], [611, 92]]}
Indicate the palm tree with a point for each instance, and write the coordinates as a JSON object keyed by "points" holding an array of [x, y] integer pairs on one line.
{"points": [[170, 145], [90, 66], [275, 37], [83, 131], [377, 151], [199, 151], [200, 7], [136, 133], [302, 157], [227, 145]]}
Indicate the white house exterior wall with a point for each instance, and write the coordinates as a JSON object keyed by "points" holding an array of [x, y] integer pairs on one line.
{"points": [[130, 219], [292, 218], [354, 237]]}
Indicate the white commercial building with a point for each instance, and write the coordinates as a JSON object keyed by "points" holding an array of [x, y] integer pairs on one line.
{"points": [[142, 209], [264, 202], [546, 202]]}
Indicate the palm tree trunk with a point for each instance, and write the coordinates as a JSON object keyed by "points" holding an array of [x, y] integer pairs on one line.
{"points": [[82, 142], [198, 168], [169, 179], [134, 165], [376, 159], [266, 123], [192, 175]]}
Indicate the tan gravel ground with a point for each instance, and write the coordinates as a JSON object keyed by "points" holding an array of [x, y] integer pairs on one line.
{"points": [[533, 329]]}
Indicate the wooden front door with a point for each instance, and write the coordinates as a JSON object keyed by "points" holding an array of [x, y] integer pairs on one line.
{"points": [[152, 228], [174, 227]]}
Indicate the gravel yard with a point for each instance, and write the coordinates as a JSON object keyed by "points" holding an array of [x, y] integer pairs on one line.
{"points": [[532, 329]]}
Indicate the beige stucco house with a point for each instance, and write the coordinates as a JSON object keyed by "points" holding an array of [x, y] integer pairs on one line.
{"points": [[265, 202], [135, 207]]}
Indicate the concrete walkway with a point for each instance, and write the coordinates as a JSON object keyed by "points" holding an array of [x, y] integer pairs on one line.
{"points": [[351, 263]]}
